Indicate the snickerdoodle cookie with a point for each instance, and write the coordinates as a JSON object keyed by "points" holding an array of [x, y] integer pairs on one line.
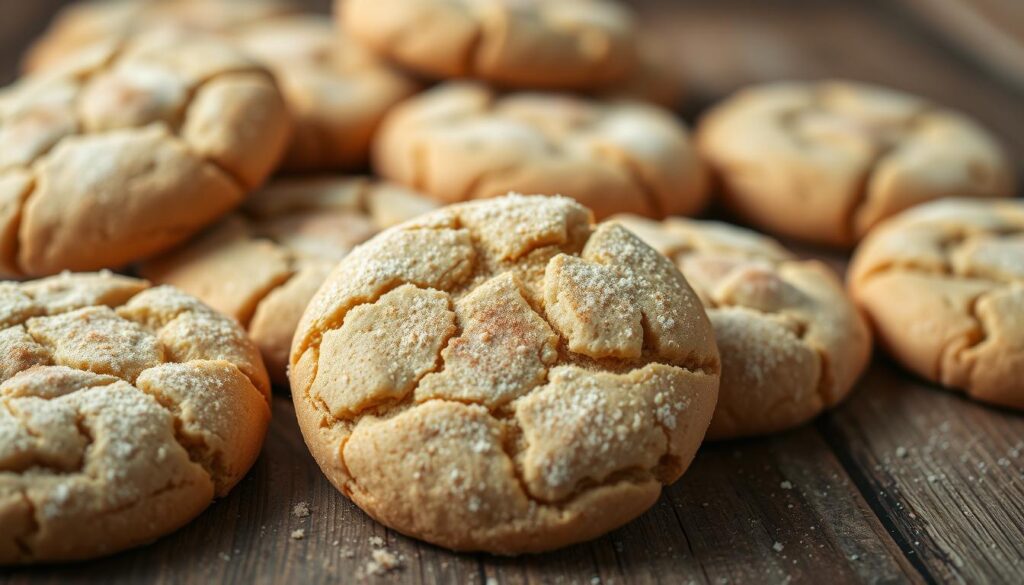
{"points": [[128, 149], [463, 141], [943, 285], [85, 23], [791, 341], [504, 376], [263, 264], [124, 410], [337, 91], [826, 161], [536, 44]]}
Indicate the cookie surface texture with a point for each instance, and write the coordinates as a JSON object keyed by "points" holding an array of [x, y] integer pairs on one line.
{"points": [[943, 285], [463, 141], [124, 410], [824, 162], [535, 44], [263, 264], [792, 343], [129, 149], [504, 376]]}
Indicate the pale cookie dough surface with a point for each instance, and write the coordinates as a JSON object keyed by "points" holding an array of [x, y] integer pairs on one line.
{"points": [[263, 264], [124, 410], [462, 141], [535, 44], [504, 376], [337, 91], [943, 285], [84, 23], [824, 162], [130, 148], [792, 343]]}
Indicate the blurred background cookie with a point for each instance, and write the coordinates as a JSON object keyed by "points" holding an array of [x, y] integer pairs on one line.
{"points": [[568, 44], [337, 91], [825, 161], [130, 147], [262, 264], [791, 342], [504, 376], [462, 141], [126, 410], [943, 285]]}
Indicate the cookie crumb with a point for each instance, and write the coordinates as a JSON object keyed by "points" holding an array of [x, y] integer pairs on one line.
{"points": [[901, 452], [298, 534], [301, 510], [224, 556], [376, 541], [383, 562], [786, 485], [777, 547]]}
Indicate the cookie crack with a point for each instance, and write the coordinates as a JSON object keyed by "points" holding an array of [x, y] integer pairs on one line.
{"points": [[23, 540]]}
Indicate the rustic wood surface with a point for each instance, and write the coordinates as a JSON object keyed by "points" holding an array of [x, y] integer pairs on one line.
{"points": [[904, 483]]}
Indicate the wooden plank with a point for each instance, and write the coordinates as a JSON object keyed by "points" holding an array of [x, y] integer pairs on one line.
{"points": [[947, 475], [722, 521]]}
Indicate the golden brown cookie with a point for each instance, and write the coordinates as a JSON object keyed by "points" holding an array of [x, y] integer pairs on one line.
{"points": [[504, 376], [337, 91], [791, 341], [128, 149], [826, 161], [536, 44], [263, 264], [462, 141], [85, 23], [943, 285], [124, 410]]}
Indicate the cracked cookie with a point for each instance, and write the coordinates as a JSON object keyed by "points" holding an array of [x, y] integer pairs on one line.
{"points": [[127, 150], [463, 141], [537, 44], [124, 410], [263, 264], [943, 285], [504, 376], [792, 343], [824, 162]]}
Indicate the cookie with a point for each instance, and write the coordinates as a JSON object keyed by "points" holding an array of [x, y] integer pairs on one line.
{"points": [[826, 161], [124, 410], [130, 148], [337, 91], [943, 285], [655, 78], [568, 44], [82, 24], [504, 376], [792, 343], [263, 264], [462, 141]]}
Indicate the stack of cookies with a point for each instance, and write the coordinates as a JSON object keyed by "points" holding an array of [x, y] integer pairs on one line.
{"points": [[329, 206]]}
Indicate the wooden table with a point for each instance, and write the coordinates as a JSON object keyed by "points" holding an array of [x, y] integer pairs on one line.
{"points": [[902, 483]]}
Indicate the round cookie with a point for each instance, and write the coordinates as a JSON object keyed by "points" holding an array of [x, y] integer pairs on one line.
{"points": [[792, 343], [128, 149], [826, 161], [504, 376], [124, 410], [534, 44], [462, 141], [943, 285], [337, 91], [263, 264], [82, 24]]}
